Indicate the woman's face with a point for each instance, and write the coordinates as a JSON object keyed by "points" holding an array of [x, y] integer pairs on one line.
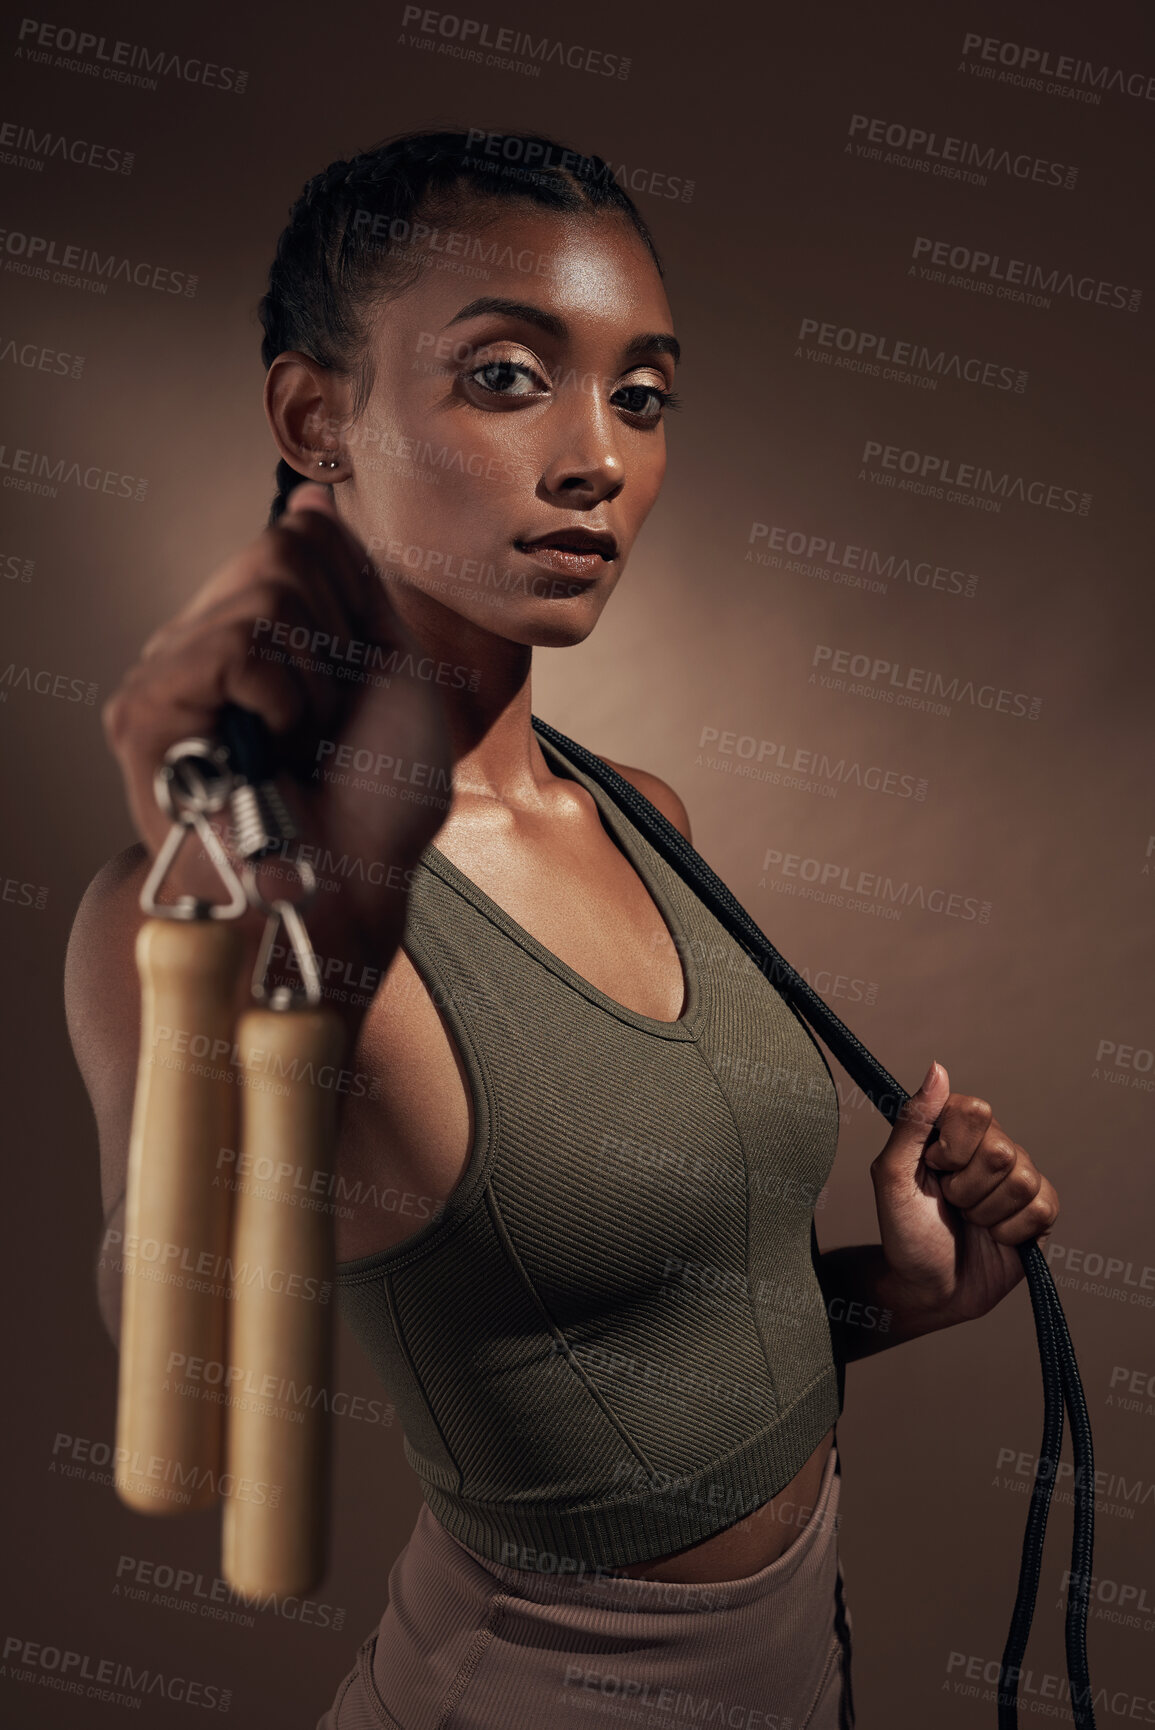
{"points": [[513, 441]]}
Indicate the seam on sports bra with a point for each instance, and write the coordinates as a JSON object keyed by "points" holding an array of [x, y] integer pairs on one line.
{"points": [[751, 1305], [717, 1464], [510, 1248], [403, 1345], [801, 1020]]}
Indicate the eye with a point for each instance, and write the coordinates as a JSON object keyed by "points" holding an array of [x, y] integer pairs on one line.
{"points": [[507, 378], [645, 402]]}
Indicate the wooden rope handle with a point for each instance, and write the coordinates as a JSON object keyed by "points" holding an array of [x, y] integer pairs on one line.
{"points": [[275, 1513], [169, 1432]]}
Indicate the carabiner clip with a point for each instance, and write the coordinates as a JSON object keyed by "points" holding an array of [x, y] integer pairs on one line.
{"points": [[194, 781], [283, 915]]}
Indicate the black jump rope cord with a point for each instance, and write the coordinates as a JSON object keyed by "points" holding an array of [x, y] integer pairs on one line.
{"points": [[1061, 1383]]}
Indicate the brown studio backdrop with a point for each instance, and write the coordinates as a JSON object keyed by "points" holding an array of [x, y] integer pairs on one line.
{"points": [[1047, 820]]}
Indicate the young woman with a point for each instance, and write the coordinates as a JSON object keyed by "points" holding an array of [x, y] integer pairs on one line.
{"points": [[615, 1351]]}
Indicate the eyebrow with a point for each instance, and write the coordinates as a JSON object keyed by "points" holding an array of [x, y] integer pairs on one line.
{"points": [[659, 342]]}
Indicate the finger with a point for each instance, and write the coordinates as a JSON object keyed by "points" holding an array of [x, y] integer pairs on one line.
{"points": [[993, 1160], [309, 542], [274, 597], [280, 555], [964, 1121], [916, 1119], [190, 666], [173, 698], [297, 616], [347, 562], [1032, 1221], [1017, 1188], [309, 496]]}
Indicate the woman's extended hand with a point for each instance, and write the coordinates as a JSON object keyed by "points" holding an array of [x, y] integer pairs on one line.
{"points": [[297, 627], [951, 1215]]}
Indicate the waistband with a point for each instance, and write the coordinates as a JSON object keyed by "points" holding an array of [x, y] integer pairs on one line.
{"points": [[549, 1583]]}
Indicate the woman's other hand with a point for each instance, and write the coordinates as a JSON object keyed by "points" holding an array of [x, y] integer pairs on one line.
{"points": [[952, 1214]]}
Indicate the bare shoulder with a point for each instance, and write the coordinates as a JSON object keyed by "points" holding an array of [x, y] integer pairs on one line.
{"points": [[109, 909], [659, 793], [101, 997]]}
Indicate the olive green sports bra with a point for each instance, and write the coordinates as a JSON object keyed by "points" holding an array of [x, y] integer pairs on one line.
{"points": [[611, 1342]]}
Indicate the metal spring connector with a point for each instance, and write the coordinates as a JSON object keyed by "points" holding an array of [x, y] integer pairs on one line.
{"points": [[260, 819]]}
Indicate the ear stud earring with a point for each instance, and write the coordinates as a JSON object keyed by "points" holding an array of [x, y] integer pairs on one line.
{"points": [[325, 463]]}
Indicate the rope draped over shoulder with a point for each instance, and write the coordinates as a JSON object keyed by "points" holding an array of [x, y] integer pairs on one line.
{"points": [[1062, 1386]]}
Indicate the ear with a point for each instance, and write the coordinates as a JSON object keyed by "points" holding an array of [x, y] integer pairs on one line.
{"points": [[307, 406]]}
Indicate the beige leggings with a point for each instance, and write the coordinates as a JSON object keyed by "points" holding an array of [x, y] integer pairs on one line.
{"points": [[466, 1644]]}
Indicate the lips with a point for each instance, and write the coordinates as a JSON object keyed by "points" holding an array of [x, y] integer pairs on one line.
{"points": [[572, 552]]}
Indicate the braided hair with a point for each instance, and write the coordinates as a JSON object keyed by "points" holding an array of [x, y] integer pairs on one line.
{"points": [[348, 238]]}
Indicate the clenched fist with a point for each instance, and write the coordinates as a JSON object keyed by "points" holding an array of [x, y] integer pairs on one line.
{"points": [[951, 1211], [348, 686]]}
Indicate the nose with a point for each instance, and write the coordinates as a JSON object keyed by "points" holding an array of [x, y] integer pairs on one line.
{"points": [[587, 466]]}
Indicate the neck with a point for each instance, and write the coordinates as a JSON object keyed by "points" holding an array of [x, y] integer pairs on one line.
{"points": [[486, 685]]}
